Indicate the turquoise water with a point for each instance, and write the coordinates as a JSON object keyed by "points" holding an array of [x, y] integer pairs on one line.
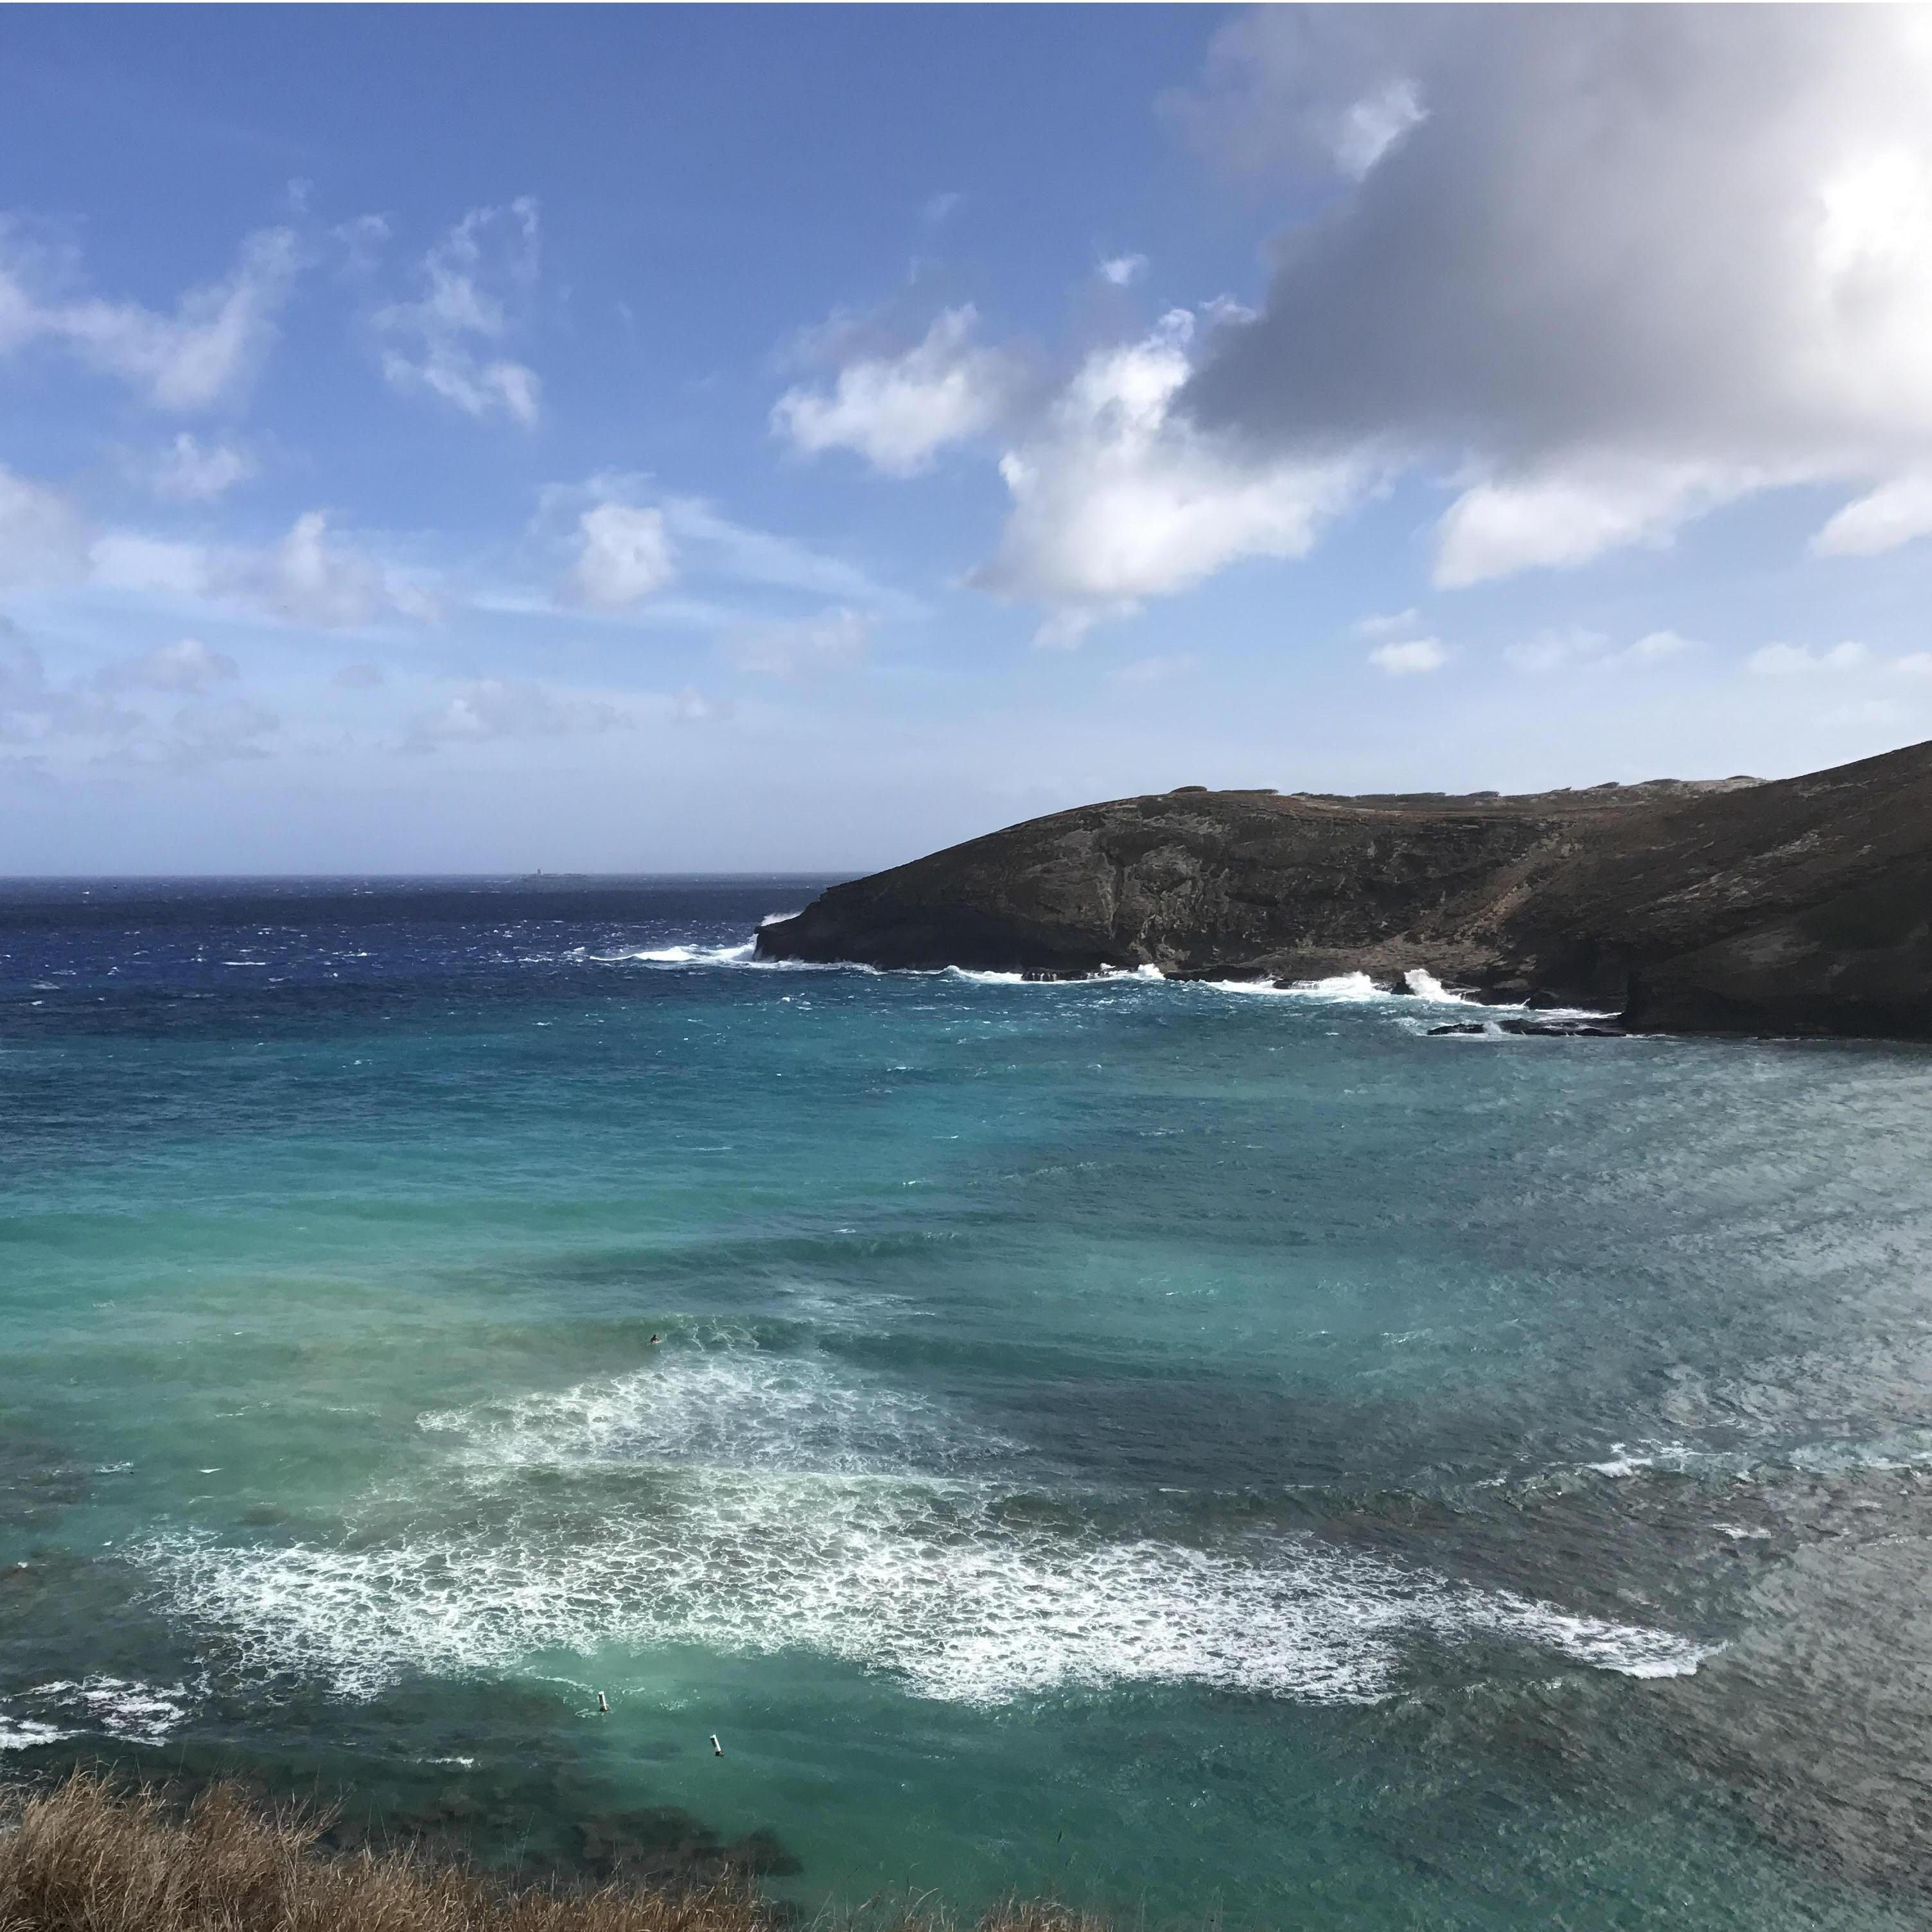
{"points": [[1186, 1449]]}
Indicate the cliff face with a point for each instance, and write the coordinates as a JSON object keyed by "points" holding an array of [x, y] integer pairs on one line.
{"points": [[1800, 906]]}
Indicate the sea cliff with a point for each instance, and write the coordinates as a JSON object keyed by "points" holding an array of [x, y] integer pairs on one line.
{"points": [[1792, 907]]}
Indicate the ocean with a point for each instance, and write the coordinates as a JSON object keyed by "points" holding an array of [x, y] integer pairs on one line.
{"points": [[1196, 1451]]}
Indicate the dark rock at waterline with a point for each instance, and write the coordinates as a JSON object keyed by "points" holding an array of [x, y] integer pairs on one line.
{"points": [[1563, 1029], [1534, 1029], [1797, 906]]}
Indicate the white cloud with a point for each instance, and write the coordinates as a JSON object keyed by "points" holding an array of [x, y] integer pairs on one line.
{"points": [[1606, 269], [1414, 657], [1654, 646], [737, 551], [42, 537], [1389, 625], [1117, 496], [1368, 128], [206, 353], [623, 554], [88, 722], [444, 343], [187, 666], [189, 472], [691, 706], [309, 577], [129, 560], [1569, 516], [1881, 712], [939, 207], [1891, 514], [1123, 270], [700, 543], [1224, 311], [1914, 664], [494, 708], [899, 411], [1795, 661], [831, 640], [35, 708], [202, 733], [1552, 650]]}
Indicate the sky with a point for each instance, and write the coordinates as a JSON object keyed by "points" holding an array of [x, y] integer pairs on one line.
{"points": [[651, 440]]}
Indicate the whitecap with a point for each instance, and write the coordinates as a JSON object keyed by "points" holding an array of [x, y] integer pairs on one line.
{"points": [[26, 1733], [141, 1713], [1345, 988], [679, 955], [958, 1594], [725, 1407]]}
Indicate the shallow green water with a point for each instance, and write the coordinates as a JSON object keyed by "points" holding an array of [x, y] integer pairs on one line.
{"points": [[1180, 1448]]}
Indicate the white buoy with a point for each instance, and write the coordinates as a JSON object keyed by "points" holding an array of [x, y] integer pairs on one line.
{"points": [[717, 1749], [602, 1704]]}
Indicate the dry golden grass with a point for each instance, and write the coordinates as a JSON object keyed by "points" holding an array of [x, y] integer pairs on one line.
{"points": [[84, 1857]]}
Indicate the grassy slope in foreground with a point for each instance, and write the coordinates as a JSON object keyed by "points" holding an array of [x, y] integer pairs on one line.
{"points": [[84, 1858], [1800, 906]]}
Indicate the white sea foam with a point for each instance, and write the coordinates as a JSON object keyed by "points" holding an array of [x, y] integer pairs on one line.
{"points": [[1107, 975], [1344, 988], [722, 1407], [24, 1733], [956, 1595], [1425, 985], [1623, 1462], [141, 1713], [740, 955], [756, 1502]]}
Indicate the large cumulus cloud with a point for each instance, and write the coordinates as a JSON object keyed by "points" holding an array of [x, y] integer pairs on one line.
{"points": [[1603, 268]]}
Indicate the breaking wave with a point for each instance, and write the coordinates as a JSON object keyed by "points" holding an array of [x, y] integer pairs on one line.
{"points": [[954, 1594], [753, 1503], [721, 1407]]}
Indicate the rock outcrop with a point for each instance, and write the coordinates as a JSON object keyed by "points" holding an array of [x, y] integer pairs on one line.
{"points": [[1799, 906]]}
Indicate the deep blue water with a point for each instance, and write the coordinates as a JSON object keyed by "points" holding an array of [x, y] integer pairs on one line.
{"points": [[1186, 1448]]}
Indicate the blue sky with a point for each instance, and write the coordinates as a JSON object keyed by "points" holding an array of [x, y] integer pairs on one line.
{"points": [[729, 438]]}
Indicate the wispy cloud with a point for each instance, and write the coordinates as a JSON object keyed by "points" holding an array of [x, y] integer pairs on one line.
{"points": [[189, 471], [206, 353], [494, 709], [43, 536], [155, 710], [309, 577], [444, 342], [831, 640], [1796, 661]]}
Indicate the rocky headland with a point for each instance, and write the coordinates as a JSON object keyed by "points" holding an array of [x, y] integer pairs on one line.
{"points": [[1790, 907]]}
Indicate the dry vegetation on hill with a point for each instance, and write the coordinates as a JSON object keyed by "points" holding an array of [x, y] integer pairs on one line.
{"points": [[84, 1857]]}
